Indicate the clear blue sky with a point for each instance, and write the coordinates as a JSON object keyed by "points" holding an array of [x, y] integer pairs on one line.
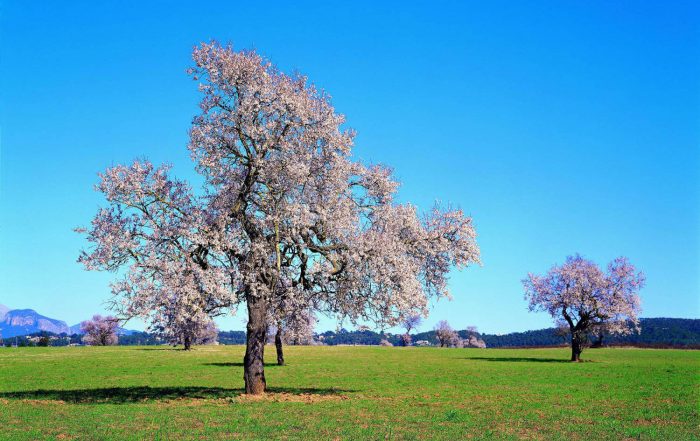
{"points": [[562, 127]]}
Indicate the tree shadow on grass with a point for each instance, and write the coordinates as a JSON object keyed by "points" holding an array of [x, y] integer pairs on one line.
{"points": [[520, 359], [135, 394]]}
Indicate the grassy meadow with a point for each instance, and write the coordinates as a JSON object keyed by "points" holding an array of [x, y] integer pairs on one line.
{"points": [[125, 393]]}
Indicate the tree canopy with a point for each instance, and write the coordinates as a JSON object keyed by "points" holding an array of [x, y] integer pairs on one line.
{"points": [[582, 297], [285, 215]]}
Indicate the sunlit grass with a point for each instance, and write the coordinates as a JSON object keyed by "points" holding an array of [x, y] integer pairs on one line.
{"points": [[349, 393]]}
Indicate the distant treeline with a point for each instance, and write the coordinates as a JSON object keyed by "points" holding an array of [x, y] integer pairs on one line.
{"points": [[44, 338], [232, 337], [656, 332]]}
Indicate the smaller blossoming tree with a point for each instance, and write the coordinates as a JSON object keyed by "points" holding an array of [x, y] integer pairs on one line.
{"points": [[181, 326], [472, 340], [291, 323], [411, 323], [100, 331], [446, 336], [580, 295]]}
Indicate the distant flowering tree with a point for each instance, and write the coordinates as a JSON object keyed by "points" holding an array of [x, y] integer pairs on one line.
{"points": [[298, 328], [100, 331], [409, 324], [447, 337], [579, 294], [178, 326], [285, 213], [473, 340], [292, 324], [209, 335]]}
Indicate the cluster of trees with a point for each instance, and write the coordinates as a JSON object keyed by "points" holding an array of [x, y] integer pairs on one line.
{"points": [[140, 339], [38, 339], [358, 337], [448, 337], [183, 330], [232, 337], [661, 332]]}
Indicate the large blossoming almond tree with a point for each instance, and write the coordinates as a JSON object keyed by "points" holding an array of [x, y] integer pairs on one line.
{"points": [[286, 216]]}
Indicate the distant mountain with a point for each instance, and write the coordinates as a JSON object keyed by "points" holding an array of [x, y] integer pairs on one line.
{"points": [[122, 331], [18, 322], [27, 321]]}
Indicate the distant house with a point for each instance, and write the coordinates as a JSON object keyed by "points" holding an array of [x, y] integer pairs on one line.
{"points": [[423, 343]]}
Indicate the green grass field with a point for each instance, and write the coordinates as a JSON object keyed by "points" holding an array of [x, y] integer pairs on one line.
{"points": [[349, 393]]}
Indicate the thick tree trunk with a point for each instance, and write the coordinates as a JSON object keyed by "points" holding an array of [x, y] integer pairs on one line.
{"points": [[253, 365], [576, 346], [187, 342], [278, 345]]}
